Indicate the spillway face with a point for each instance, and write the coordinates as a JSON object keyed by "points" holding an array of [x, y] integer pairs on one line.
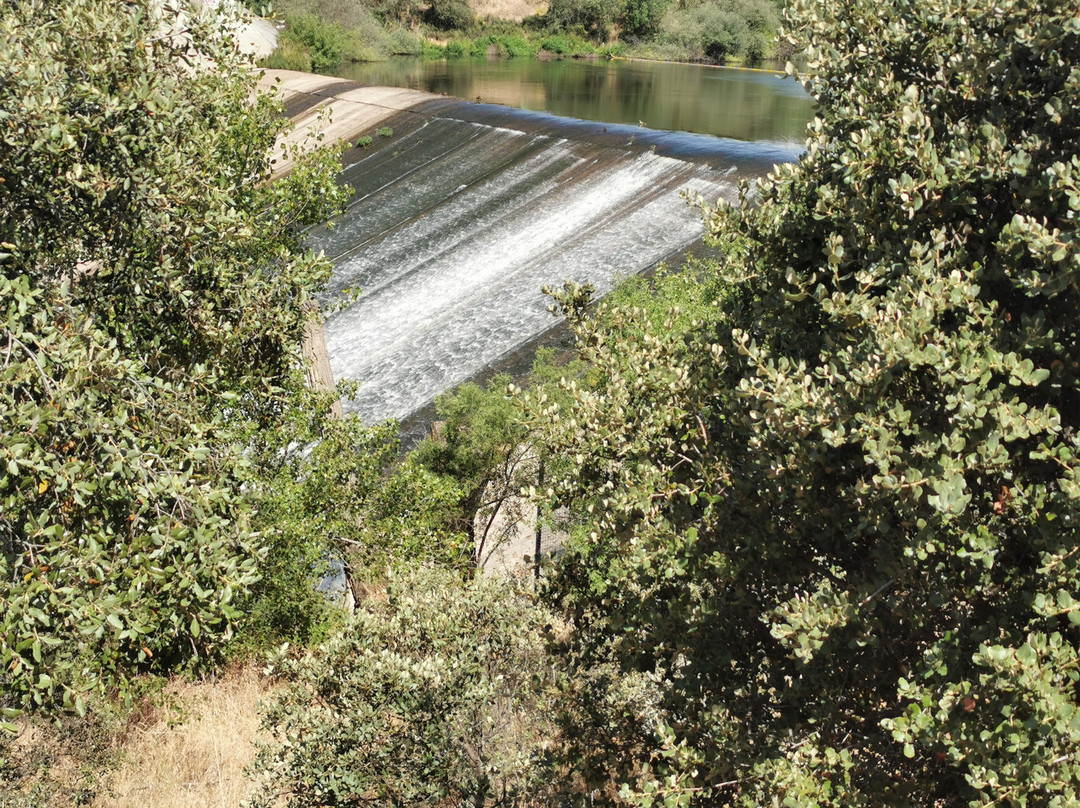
{"points": [[457, 224]]}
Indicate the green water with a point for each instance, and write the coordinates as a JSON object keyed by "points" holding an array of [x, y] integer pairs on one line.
{"points": [[740, 104]]}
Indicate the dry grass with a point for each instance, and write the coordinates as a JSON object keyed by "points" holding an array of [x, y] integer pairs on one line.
{"points": [[507, 9], [39, 772], [198, 763]]}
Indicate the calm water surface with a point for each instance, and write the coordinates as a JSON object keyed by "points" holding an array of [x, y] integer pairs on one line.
{"points": [[741, 104]]}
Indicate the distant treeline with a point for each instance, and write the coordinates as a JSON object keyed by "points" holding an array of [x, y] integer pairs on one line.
{"points": [[319, 35]]}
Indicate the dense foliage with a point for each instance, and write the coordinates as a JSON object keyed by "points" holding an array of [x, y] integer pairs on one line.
{"points": [[719, 31], [708, 29], [153, 291], [322, 35], [824, 548], [436, 695], [837, 530], [481, 445], [334, 493]]}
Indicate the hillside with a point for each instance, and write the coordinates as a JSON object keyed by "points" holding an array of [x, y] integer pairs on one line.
{"points": [[515, 10]]}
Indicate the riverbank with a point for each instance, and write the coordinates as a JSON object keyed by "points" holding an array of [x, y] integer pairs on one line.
{"points": [[296, 53], [320, 37]]}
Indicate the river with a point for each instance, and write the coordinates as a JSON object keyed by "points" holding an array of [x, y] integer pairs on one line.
{"points": [[748, 105]]}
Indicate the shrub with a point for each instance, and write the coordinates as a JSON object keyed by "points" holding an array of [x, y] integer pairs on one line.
{"points": [[325, 41], [558, 43], [641, 18], [433, 50], [484, 46], [436, 696], [153, 295], [336, 31], [518, 46], [614, 49], [401, 42], [450, 15], [334, 489], [482, 448], [594, 18], [719, 30], [357, 18], [289, 55], [838, 525]]}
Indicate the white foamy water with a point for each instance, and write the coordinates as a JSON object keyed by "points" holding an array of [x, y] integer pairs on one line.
{"points": [[452, 239]]}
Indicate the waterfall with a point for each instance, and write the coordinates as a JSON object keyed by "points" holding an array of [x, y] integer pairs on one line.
{"points": [[467, 210]]}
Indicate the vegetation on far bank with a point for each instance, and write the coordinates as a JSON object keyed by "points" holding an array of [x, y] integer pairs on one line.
{"points": [[320, 35]]}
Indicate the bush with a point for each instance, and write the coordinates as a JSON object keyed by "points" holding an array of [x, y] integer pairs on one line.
{"points": [[641, 18], [436, 696], [450, 15], [482, 449], [517, 47], [326, 42], [565, 45], [322, 35], [837, 525], [594, 18], [719, 30], [154, 287], [485, 46], [433, 50], [332, 489], [289, 55], [401, 42], [357, 18]]}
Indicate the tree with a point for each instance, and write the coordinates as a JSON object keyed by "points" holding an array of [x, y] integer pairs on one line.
{"points": [[720, 29], [449, 15], [838, 530], [334, 490], [642, 17], [594, 18], [153, 292], [481, 446]]}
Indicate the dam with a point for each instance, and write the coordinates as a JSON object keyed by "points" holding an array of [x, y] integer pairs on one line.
{"points": [[463, 211]]}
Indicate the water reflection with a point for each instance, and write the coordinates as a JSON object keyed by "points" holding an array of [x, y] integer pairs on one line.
{"points": [[741, 104]]}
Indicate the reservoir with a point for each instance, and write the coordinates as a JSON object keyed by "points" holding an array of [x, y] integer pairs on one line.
{"points": [[747, 105]]}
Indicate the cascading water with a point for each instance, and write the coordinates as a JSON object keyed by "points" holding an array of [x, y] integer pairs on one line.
{"points": [[468, 210]]}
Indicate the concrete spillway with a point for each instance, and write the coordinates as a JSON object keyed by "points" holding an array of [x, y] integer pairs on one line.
{"points": [[465, 211]]}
